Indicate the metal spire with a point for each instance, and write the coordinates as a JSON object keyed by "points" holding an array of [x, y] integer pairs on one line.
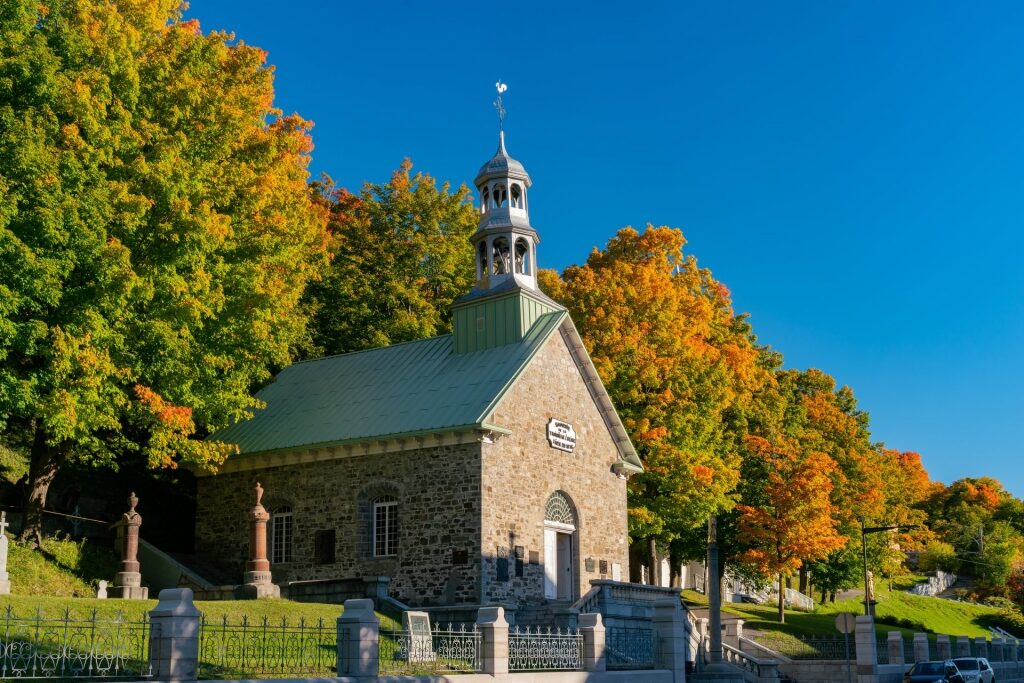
{"points": [[500, 87]]}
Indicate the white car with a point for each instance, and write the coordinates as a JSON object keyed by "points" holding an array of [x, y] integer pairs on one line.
{"points": [[975, 669]]}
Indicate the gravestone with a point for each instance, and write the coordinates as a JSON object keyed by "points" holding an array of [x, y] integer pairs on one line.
{"points": [[128, 581], [101, 590], [5, 578], [421, 640]]}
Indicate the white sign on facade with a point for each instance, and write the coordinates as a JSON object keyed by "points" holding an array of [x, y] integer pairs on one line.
{"points": [[561, 435]]}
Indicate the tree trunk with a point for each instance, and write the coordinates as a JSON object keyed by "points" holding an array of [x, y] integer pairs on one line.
{"points": [[782, 600], [45, 460], [803, 580], [832, 596], [824, 596], [653, 550]]}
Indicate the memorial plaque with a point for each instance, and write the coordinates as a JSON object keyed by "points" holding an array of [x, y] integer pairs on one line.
{"points": [[520, 551], [324, 544], [589, 563], [534, 557], [460, 557], [561, 435], [502, 564], [604, 566], [616, 571], [421, 642]]}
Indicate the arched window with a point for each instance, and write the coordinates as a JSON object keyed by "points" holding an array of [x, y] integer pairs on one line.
{"points": [[522, 257], [500, 196], [486, 197], [385, 526], [501, 256], [281, 534], [559, 510], [481, 268], [517, 196]]}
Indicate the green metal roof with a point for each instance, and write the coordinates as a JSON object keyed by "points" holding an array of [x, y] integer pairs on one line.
{"points": [[404, 389]]}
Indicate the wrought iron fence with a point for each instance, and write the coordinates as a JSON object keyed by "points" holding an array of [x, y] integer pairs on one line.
{"points": [[812, 647], [882, 650], [630, 648], [74, 647], [545, 649], [455, 649], [264, 648]]}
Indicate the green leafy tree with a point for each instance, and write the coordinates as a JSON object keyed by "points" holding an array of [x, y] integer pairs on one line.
{"points": [[401, 256], [156, 232], [841, 570]]}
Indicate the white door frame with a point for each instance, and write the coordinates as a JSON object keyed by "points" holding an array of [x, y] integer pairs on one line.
{"points": [[558, 578]]}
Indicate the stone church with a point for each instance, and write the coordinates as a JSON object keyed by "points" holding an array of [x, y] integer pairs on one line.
{"points": [[487, 465]]}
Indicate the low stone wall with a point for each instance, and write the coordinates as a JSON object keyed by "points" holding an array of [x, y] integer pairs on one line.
{"points": [[937, 582], [818, 670], [654, 676]]}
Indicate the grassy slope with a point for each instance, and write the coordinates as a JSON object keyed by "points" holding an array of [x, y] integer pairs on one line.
{"points": [[934, 615], [64, 577]]}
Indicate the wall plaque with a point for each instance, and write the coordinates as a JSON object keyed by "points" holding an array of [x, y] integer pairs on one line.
{"points": [[534, 557], [561, 435], [589, 564], [604, 566]]}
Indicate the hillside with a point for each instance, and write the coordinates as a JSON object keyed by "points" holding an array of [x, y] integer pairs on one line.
{"points": [[896, 610]]}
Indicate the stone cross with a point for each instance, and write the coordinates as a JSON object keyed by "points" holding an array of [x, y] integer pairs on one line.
{"points": [[258, 582], [128, 581], [5, 578]]}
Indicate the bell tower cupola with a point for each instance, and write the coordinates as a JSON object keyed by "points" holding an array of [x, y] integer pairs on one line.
{"points": [[505, 301], [505, 243]]}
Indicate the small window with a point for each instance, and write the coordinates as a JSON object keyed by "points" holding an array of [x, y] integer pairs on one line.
{"points": [[500, 196], [522, 257], [481, 260], [281, 535], [517, 197], [385, 526], [486, 196], [501, 256], [323, 546]]}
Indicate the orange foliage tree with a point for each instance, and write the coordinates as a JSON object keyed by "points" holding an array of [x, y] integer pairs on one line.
{"points": [[677, 362], [795, 521]]}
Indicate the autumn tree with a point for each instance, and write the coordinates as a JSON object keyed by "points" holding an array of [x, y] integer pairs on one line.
{"points": [[679, 365], [401, 256], [156, 232], [796, 523]]}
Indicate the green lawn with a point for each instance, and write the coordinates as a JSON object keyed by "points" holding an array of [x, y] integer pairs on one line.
{"points": [[895, 611]]}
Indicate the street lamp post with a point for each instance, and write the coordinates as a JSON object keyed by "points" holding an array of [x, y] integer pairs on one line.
{"points": [[864, 531]]}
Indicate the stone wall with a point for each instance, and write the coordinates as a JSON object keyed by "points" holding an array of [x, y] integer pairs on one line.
{"points": [[438, 493], [521, 471]]}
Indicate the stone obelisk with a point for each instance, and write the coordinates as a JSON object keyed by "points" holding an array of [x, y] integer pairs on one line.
{"points": [[258, 581], [128, 581]]}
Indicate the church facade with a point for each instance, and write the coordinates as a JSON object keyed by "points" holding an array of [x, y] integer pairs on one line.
{"points": [[483, 466]]}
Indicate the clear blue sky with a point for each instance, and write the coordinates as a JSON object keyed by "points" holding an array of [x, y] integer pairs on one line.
{"points": [[853, 171]]}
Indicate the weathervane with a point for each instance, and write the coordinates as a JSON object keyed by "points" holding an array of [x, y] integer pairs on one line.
{"points": [[500, 87]]}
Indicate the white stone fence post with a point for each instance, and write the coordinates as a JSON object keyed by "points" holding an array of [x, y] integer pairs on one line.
{"points": [[493, 640], [867, 650], [358, 639], [595, 656], [174, 636], [670, 630]]}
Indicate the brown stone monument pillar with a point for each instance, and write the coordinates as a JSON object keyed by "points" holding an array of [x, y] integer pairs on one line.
{"points": [[258, 581], [128, 581]]}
